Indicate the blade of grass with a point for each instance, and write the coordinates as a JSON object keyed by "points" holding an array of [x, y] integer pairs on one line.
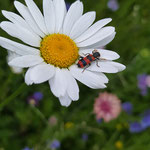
{"points": [[13, 96]]}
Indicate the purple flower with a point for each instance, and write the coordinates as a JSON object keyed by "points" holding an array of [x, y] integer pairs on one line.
{"points": [[136, 127], [35, 98], [113, 5], [146, 119], [27, 148], [142, 85], [148, 80], [142, 81], [127, 107], [144, 92], [55, 144], [84, 137], [38, 95], [99, 121], [147, 112]]}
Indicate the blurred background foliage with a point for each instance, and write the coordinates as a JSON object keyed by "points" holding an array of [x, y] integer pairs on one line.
{"points": [[24, 125]]}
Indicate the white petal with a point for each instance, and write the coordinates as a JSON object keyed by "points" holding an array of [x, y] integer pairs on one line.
{"points": [[102, 42], [21, 33], [17, 47], [60, 12], [49, 15], [28, 80], [12, 55], [103, 77], [93, 29], [26, 61], [74, 13], [16, 19], [16, 70], [99, 36], [41, 73], [24, 11], [65, 100], [72, 88], [58, 83], [119, 66], [104, 66], [90, 79], [82, 24], [105, 54], [109, 55], [37, 15]]}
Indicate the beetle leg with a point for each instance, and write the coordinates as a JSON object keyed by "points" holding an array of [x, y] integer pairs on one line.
{"points": [[81, 57], [86, 67], [102, 59], [86, 54], [97, 63]]}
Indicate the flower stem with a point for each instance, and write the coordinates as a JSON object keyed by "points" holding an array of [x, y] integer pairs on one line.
{"points": [[90, 129], [40, 114], [11, 97], [112, 140]]}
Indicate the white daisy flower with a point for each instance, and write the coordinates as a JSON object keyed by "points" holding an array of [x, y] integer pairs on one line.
{"points": [[54, 41]]}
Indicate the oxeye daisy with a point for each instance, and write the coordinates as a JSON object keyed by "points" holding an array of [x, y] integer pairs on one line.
{"points": [[54, 41]]}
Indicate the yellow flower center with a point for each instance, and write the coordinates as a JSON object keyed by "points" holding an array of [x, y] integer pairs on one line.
{"points": [[59, 50]]}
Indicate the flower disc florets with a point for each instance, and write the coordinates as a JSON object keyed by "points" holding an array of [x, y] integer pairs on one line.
{"points": [[59, 50]]}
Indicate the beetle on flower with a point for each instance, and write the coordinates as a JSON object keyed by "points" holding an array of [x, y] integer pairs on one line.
{"points": [[54, 41]]}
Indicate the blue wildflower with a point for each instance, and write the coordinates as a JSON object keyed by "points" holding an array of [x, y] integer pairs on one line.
{"points": [[27, 148], [127, 107], [84, 137], [146, 120], [136, 127], [142, 84], [35, 98], [55, 144], [148, 80], [113, 5], [144, 92], [38, 96], [142, 80], [147, 112], [99, 121]]}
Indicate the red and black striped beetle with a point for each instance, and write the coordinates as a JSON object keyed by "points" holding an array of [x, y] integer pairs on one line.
{"points": [[85, 62]]}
